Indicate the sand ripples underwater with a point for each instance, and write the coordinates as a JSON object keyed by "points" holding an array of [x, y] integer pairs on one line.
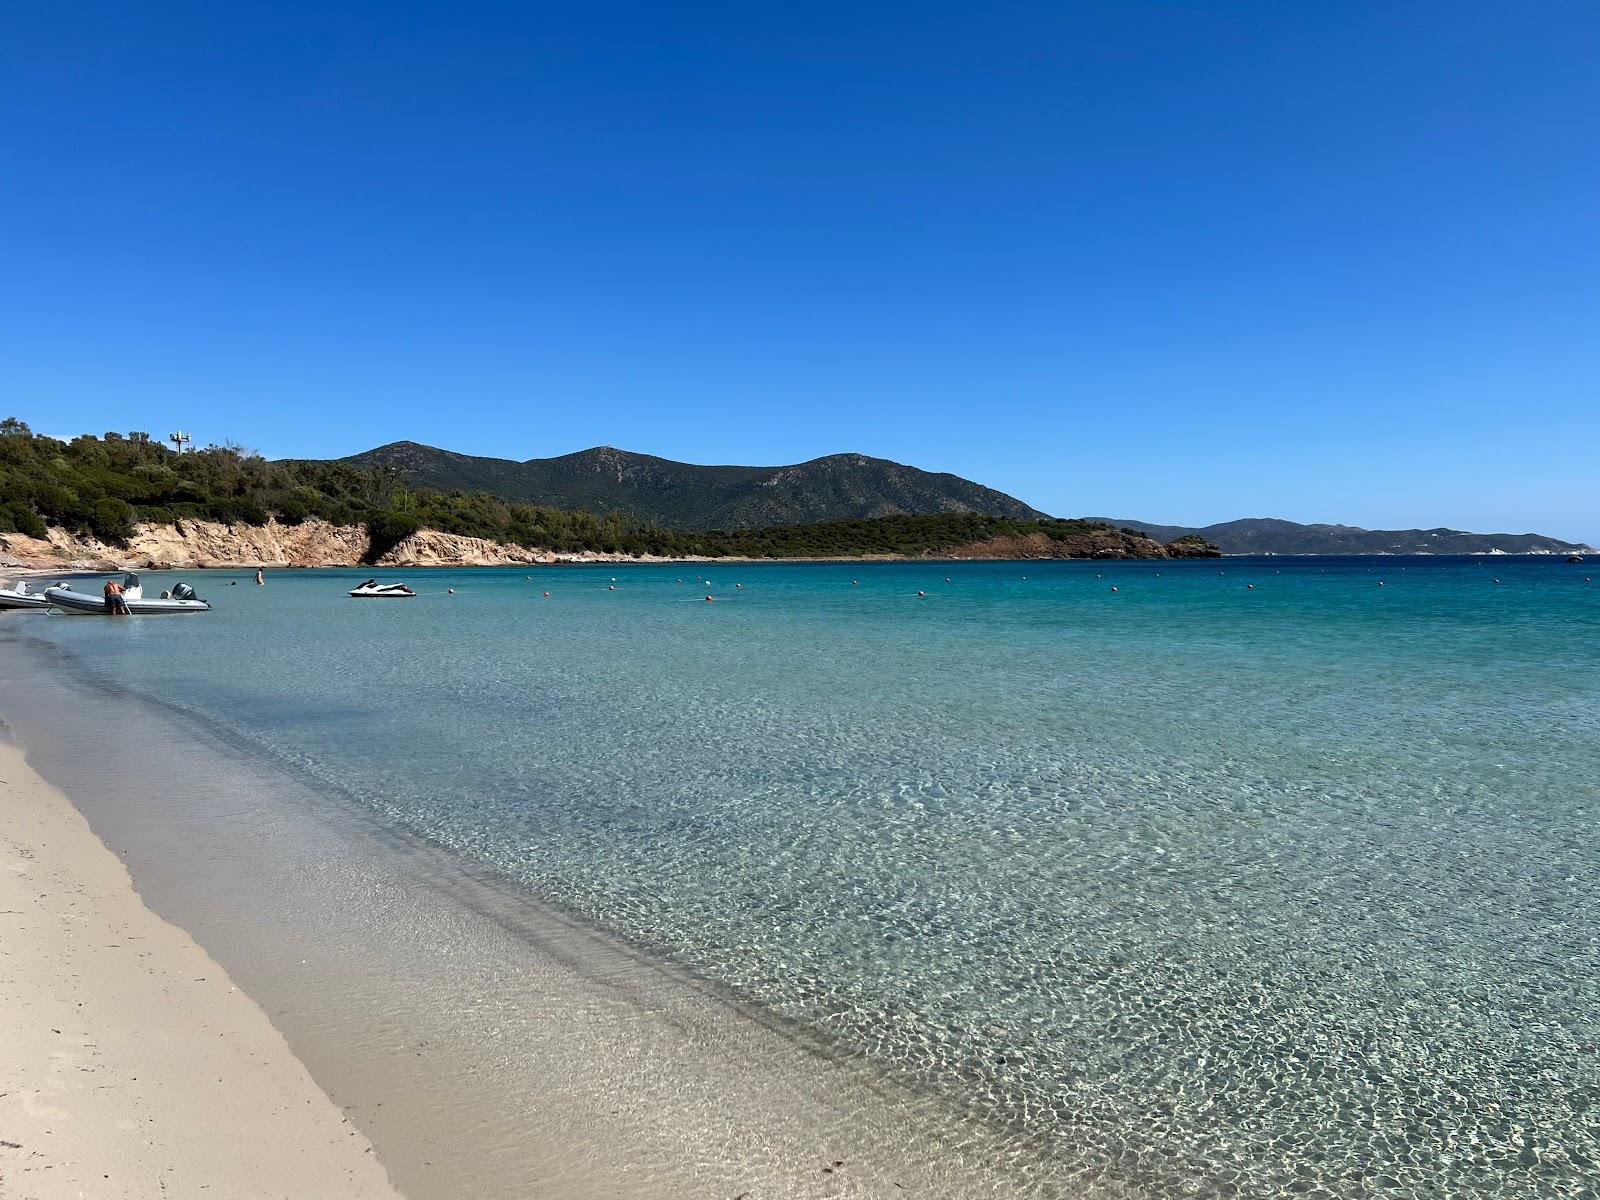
{"points": [[1189, 888]]}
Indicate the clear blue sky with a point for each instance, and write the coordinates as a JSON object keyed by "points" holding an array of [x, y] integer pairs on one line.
{"points": [[1181, 262]]}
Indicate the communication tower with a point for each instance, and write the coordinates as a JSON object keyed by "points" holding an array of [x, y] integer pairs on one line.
{"points": [[179, 440]]}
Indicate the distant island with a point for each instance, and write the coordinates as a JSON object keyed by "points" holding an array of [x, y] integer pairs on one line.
{"points": [[1268, 535]]}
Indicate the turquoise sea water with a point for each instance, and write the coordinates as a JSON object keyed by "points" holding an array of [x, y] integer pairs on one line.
{"points": [[1196, 888]]}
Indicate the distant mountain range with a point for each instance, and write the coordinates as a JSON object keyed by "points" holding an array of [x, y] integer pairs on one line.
{"points": [[843, 487], [685, 496], [1268, 535]]}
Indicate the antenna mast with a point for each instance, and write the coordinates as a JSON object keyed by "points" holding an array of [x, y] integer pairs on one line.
{"points": [[179, 440]]}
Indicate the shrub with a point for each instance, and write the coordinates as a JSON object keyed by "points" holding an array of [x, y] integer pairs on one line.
{"points": [[386, 530], [112, 520]]}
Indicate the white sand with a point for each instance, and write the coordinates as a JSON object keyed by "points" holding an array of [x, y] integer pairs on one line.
{"points": [[130, 1066]]}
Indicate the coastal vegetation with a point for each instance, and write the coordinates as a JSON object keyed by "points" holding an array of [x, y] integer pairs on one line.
{"points": [[104, 486]]}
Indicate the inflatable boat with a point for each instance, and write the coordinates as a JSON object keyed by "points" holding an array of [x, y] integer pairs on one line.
{"points": [[181, 599], [19, 596], [372, 589]]}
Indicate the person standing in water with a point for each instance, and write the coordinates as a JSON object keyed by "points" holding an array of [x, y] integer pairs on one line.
{"points": [[116, 606], [260, 580]]}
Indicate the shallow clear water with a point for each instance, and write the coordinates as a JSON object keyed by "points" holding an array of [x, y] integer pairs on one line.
{"points": [[1201, 889]]}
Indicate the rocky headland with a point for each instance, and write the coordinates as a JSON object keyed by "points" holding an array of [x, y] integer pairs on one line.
{"points": [[317, 543], [1104, 543]]}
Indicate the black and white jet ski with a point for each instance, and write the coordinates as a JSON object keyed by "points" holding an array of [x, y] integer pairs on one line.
{"points": [[181, 599], [19, 595], [372, 589]]}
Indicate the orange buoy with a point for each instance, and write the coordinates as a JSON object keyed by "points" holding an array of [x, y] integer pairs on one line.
{"points": [[708, 597]]}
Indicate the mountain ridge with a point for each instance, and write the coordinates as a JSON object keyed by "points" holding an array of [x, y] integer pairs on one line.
{"points": [[853, 486], [646, 487]]}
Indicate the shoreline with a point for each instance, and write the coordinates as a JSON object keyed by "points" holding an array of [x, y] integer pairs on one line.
{"points": [[486, 1045], [196, 544], [134, 1066], [86, 570]]}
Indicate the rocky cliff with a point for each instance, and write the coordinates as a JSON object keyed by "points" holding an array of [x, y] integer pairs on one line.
{"points": [[312, 543], [316, 543]]}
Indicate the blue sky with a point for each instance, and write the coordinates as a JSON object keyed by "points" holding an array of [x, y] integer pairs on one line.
{"points": [[1181, 262]]}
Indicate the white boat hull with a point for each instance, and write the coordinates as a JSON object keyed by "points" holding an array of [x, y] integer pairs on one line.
{"points": [[11, 598], [85, 604]]}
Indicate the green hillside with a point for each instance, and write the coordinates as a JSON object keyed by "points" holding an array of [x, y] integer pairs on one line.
{"points": [[104, 485], [658, 491]]}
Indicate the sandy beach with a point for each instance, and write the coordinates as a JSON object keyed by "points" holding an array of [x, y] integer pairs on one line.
{"points": [[133, 1066], [487, 1046]]}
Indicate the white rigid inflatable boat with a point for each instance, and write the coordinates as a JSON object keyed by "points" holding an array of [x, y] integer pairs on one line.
{"points": [[373, 590], [181, 599], [20, 596]]}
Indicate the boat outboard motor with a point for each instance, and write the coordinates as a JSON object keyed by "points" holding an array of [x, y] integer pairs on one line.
{"points": [[131, 589], [182, 591]]}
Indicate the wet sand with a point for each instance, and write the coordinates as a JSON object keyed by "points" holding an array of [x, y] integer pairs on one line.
{"points": [[486, 1045], [132, 1065]]}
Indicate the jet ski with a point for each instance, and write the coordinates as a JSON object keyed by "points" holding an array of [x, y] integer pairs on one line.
{"points": [[19, 596], [181, 599], [372, 589]]}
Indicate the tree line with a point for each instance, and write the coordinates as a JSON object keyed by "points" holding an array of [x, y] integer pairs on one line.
{"points": [[106, 485]]}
